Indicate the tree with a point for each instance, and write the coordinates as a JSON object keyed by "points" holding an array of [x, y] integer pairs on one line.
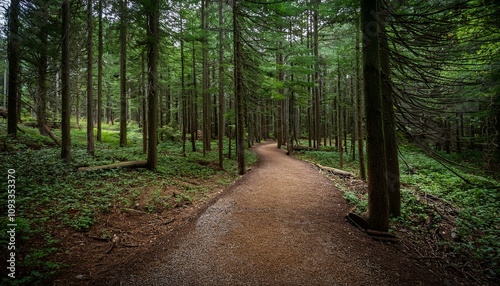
{"points": [[238, 90], [153, 26], [123, 73], [207, 130], [359, 112], [100, 52], [221, 89], [14, 59], [42, 67], [378, 201], [90, 102], [388, 107], [65, 96], [316, 89]]}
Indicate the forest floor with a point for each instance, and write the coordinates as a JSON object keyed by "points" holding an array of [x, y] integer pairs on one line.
{"points": [[281, 224]]}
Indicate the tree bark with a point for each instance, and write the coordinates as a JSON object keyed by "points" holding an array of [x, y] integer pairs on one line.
{"points": [[378, 201], [194, 105], [14, 58], [144, 91], [65, 96], [90, 95], [359, 111], [183, 101], [391, 147], [99, 73], [205, 81], [221, 89], [339, 118], [317, 115], [152, 42], [123, 74], [238, 90], [42, 70]]}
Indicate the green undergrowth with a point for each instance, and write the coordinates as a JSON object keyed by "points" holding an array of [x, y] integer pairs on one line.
{"points": [[52, 195], [474, 206]]}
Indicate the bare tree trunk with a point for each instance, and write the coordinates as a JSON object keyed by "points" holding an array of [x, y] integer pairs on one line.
{"points": [[123, 74], [317, 115], [183, 97], [14, 58], [352, 119], [144, 91], [194, 105], [339, 118], [391, 147], [238, 90], [359, 111], [90, 102], [207, 130], [378, 201], [152, 45], [221, 90], [42, 71], [99, 74], [65, 96]]}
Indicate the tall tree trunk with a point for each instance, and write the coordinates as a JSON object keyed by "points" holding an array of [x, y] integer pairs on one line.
{"points": [[99, 74], [42, 70], [221, 89], [207, 130], [183, 101], [239, 92], [352, 119], [90, 99], [317, 115], [77, 103], [194, 105], [65, 96], [168, 103], [339, 118], [14, 58], [279, 103], [391, 147], [378, 201], [123, 74], [144, 91], [359, 111], [152, 45]]}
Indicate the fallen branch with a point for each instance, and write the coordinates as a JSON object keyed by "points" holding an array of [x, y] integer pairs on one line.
{"points": [[51, 135], [335, 171], [128, 164]]}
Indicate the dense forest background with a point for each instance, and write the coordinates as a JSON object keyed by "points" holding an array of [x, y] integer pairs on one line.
{"points": [[216, 77]]}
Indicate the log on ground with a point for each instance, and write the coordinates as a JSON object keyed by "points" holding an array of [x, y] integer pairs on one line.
{"points": [[335, 171], [128, 164]]}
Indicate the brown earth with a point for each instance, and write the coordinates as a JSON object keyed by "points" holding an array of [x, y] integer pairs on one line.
{"points": [[281, 224]]}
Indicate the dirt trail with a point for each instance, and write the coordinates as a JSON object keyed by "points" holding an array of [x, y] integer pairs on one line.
{"points": [[281, 224]]}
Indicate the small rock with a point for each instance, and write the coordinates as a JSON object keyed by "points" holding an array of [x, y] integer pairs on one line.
{"points": [[82, 277]]}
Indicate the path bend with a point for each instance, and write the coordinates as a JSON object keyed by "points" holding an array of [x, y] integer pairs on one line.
{"points": [[281, 224]]}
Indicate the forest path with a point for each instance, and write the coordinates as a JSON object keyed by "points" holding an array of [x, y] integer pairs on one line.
{"points": [[281, 224]]}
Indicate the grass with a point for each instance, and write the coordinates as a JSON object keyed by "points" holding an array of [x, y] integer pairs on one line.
{"points": [[477, 204], [51, 195]]}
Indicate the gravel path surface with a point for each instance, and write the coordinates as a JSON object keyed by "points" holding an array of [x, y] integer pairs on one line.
{"points": [[281, 224]]}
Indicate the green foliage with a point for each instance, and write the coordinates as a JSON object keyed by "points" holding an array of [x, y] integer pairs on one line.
{"points": [[477, 218], [51, 194]]}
